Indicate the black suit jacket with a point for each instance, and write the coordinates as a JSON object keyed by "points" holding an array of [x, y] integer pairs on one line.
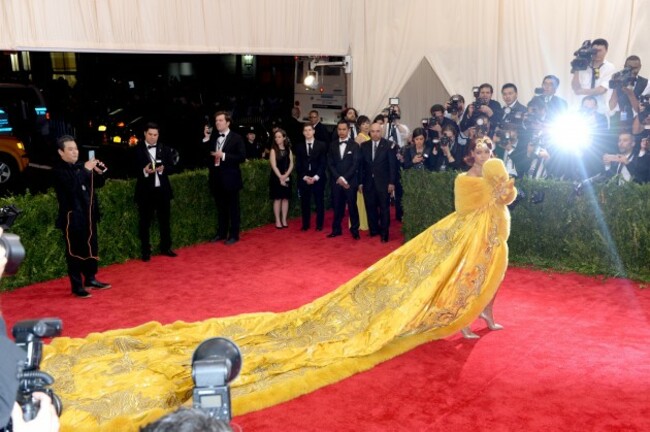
{"points": [[144, 186], [348, 167], [226, 176], [377, 174], [315, 163], [555, 106], [321, 133]]}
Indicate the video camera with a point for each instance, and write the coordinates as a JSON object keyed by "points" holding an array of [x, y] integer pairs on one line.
{"points": [[27, 335], [622, 78], [583, 57]]}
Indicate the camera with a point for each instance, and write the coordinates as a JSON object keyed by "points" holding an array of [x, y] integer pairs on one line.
{"points": [[644, 107], [503, 135], [393, 109], [445, 141], [14, 250], [539, 91], [583, 57], [482, 127], [27, 335], [622, 78], [478, 102], [454, 105]]}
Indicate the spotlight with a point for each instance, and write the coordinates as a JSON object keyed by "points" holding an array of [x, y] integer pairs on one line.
{"points": [[215, 363], [311, 80]]}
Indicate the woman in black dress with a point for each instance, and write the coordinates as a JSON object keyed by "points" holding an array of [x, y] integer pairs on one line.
{"points": [[280, 182]]}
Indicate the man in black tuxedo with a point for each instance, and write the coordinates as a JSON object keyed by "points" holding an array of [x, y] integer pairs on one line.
{"points": [[153, 191], [378, 176], [227, 152], [311, 163], [75, 184], [343, 159], [320, 131], [513, 110], [555, 105]]}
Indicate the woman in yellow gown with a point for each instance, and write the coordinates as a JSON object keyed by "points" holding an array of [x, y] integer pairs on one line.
{"points": [[431, 287]]}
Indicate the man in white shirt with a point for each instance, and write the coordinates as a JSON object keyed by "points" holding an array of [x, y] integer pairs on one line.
{"points": [[594, 81]]}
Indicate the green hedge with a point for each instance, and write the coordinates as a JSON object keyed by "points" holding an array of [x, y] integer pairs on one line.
{"points": [[193, 220], [564, 232], [604, 230]]}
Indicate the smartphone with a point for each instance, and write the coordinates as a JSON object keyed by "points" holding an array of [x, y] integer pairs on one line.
{"points": [[91, 154]]}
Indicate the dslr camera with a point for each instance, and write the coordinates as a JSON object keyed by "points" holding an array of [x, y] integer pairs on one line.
{"points": [[27, 335], [622, 78], [583, 57], [393, 109], [478, 102], [453, 105], [644, 107]]}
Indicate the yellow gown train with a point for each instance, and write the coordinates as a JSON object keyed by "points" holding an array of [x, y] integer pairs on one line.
{"points": [[428, 289]]}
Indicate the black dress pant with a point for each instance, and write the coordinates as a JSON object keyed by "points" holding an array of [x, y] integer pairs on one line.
{"points": [[340, 198], [81, 255], [378, 210], [161, 206], [316, 190], [228, 213]]}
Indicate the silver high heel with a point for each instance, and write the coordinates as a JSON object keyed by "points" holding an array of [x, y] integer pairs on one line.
{"points": [[489, 320], [468, 333]]}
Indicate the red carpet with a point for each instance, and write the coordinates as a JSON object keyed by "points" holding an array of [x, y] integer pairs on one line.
{"points": [[574, 355]]}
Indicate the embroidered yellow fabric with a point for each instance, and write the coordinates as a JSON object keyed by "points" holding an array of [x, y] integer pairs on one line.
{"points": [[427, 289]]}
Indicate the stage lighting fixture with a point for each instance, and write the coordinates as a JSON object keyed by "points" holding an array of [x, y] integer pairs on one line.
{"points": [[311, 80], [215, 363]]}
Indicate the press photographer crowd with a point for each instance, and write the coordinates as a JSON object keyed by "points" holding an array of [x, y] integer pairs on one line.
{"points": [[605, 138]]}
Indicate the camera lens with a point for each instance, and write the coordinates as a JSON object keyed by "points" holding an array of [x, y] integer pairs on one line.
{"points": [[14, 252]]}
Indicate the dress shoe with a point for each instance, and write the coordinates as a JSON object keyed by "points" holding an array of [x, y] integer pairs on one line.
{"points": [[373, 234], [217, 238], [170, 253], [304, 228], [231, 241], [82, 293], [146, 257], [332, 235], [285, 225], [279, 227], [356, 236], [319, 228], [97, 285], [384, 239]]}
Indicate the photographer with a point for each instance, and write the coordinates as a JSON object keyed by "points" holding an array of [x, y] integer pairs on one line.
{"points": [[484, 104], [454, 109], [627, 86], [624, 164], [46, 420], [534, 138], [513, 110], [75, 185], [437, 122], [509, 150], [449, 154], [594, 80], [555, 105]]}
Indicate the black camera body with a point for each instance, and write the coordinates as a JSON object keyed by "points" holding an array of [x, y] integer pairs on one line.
{"points": [[454, 105], [27, 335], [644, 107], [583, 57], [445, 141], [622, 78]]}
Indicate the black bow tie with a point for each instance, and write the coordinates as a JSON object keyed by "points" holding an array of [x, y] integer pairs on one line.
{"points": [[151, 146], [222, 135], [342, 142]]}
